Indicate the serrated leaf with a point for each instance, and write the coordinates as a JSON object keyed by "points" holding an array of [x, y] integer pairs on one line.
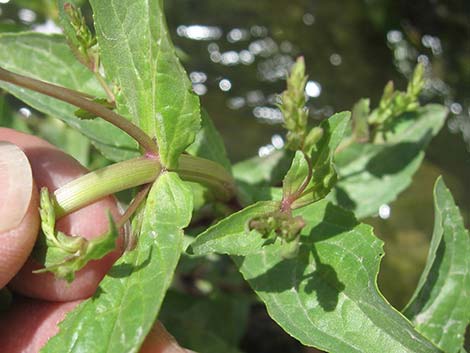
{"points": [[321, 159], [209, 144], [370, 175], [232, 235], [154, 90], [327, 296], [439, 306], [48, 58], [121, 313]]}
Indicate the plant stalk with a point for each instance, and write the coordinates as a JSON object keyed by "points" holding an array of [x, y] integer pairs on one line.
{"points": [[106, 181], [208, 173], [139, 171], [78, 99]]}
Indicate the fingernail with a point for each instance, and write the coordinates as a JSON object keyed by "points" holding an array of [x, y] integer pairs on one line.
{"points": [[16, 185]]}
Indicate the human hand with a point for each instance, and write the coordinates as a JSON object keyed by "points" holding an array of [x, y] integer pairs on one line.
{"points": [[28, 163]]}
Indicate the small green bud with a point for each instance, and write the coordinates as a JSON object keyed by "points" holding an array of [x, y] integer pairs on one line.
{"points": [[313, 137], [360, 125], [417, 81]]}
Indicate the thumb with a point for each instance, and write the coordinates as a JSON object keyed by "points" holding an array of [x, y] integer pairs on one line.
{"points": [[19, 218]]}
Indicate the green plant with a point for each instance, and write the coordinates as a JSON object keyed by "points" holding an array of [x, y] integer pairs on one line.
{"points": [[299, 245]]}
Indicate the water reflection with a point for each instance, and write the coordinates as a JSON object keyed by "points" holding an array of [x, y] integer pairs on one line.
{"points": [[313, 89], [48, 27], [225, 85], [237, 34], [308, 19], [336, 59], [26, 15], [268, 114], [199, 32], [384, 211]]}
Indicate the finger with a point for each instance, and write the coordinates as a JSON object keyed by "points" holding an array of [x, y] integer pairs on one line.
{"points": [[53, 168], [29, 324], [19, 219], [16, 185]]}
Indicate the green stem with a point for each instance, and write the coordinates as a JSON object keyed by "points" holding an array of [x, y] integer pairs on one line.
{"points": [[78, 99], [138, 171], [109, 180], [208, 173]]}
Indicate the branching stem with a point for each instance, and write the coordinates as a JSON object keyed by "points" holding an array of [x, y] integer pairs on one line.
{"points": [[140, 171]]}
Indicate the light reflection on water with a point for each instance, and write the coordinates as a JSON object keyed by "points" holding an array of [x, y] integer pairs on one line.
{"points": [[199, 32], [272, 57]]}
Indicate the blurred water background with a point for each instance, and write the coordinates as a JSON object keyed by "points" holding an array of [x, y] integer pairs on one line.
{"points": [[237, 53]]}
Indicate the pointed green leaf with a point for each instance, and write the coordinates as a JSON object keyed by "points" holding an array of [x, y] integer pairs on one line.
{"points": [[439, 308], [370, 175], [232, 235], [154, 90], [48, 58], [327, 296], [296, 176], [121, 313]]}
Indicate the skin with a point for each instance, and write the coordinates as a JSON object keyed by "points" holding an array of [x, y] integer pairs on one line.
{"points": [[33, 317]]}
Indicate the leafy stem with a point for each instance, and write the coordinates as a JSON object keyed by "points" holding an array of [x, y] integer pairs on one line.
{"points": [[127, 174], [139, 171], [80, 100]]}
